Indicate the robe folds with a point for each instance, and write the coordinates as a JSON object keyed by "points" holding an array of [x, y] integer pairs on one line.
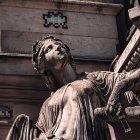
{"points": [[69, 112], [22, 129]]}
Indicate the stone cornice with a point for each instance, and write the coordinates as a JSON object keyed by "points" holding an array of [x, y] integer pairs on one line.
{"points": [[22, 96], [73, 6], [29, 56]]}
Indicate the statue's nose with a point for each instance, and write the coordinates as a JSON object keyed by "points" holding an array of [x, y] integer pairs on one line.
{"points": [[58, 48]]}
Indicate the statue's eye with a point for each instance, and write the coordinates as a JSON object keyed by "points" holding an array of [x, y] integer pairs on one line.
{"points": [[50, 47]]}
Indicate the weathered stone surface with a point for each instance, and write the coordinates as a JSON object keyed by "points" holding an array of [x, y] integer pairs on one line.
{"points": [[22, 65], [22, 94], [92, 24], [79, 24], [74, 5], [99, 48]]}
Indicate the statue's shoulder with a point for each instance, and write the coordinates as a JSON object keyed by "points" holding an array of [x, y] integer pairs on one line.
{"points": [[102, 76], [59, 95], [98, 74], [93, 75]]}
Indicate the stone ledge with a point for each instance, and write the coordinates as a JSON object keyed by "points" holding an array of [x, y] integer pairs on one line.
{"points": [[29, 56], [22, 82], [23, 96], [75, 6], [4, 54], [21, 65], [5, 123]]}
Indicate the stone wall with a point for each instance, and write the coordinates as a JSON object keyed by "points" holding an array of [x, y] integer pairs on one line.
{"points": [[91, 26]]}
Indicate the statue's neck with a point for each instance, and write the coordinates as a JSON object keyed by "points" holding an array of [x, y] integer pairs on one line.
{"points": [[65, 75]]}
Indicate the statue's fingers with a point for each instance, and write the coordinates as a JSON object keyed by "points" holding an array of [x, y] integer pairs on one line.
{"points": [[110, 108]]}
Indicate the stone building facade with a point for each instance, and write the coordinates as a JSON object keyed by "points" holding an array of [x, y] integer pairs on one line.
{"points": [[88, 27]]}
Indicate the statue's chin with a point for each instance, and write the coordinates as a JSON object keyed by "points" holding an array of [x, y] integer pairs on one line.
{"points": [[64, 62], [60, 63]]}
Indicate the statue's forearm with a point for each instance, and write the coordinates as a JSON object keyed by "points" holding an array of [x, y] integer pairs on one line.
{"points": [[132, 82], [119, 89]]}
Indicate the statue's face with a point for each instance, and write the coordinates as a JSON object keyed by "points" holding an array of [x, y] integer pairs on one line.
{"points": [[56, 55]]}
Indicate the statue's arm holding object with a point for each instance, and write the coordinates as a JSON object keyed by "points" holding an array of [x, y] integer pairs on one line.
{"points": [[114, 106], [131, 83]]}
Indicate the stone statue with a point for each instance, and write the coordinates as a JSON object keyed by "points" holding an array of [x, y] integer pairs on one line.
{"points": [[69, 112]]}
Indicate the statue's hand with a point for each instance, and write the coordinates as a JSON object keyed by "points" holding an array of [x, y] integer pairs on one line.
{"points": [[114, 108]]}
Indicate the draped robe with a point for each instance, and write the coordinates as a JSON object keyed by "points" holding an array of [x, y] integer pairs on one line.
{"points": [[69, 113]]}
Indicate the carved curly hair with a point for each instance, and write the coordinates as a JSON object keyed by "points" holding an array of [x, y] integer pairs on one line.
{"points": [[38, 60]]}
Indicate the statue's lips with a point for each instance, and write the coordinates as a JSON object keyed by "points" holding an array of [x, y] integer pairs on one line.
{"points": [[61, 53]]}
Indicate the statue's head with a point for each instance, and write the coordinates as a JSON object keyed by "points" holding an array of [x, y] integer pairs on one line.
{"points": [[49, 54]]}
